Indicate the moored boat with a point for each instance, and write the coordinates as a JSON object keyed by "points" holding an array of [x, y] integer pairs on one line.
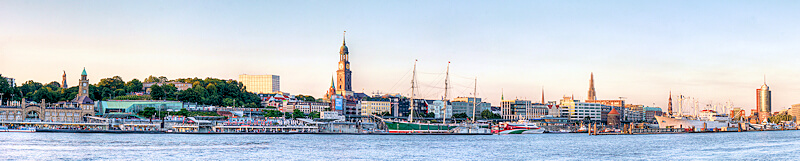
{"points": [[520, 127], [707, 119], [415, 127], [23, 129]]}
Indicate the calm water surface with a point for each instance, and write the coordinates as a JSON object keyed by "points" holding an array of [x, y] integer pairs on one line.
{"points": [[778, 145]]}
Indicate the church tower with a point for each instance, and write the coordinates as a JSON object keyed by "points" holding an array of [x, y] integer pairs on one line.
{"points": [[344, 73], [592, 94], [64, 80], [669, 105], [83, 87]]}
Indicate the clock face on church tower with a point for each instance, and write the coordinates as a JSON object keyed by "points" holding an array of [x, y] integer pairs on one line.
{"points": [[341, 65]]}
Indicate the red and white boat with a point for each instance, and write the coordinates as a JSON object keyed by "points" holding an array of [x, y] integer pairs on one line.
{"points": [[519, 127]]}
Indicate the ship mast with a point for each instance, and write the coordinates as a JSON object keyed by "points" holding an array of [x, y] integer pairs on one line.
{"points": [[444, 100], [474, 99], [413, 77]]}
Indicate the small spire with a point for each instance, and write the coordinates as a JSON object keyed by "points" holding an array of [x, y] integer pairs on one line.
{"points": [[343, 37]]}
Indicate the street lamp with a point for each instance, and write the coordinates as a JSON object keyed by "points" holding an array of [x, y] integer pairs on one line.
{"points": [[1, 98]]}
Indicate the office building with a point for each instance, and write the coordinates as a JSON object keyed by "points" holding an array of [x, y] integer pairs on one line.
{"points": [[261, 84], [763, 102]]}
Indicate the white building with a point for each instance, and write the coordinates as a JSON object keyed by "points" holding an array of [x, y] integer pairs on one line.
{"points": [[332, 115], [376, 107], [437, 108], [305, 107], [576, 110], [261, 84]]}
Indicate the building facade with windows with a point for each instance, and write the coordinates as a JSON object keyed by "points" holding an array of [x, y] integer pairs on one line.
{"points": [[72, 111], [466, 104], [375, 107], [305, 107]]}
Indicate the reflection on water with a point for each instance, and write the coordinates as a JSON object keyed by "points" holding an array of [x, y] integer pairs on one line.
{"points": [[780, 145]]}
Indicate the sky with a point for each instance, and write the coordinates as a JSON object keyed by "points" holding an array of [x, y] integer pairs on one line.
{"points": [[715, 51]]}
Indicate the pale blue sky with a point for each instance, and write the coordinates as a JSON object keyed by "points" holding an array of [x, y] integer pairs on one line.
{"points": [[713, 50]]}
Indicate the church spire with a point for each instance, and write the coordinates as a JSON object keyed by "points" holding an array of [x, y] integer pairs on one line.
{"points": [[592, 94], [343, 38], [542, 95], [669, 105], [501, 95]]}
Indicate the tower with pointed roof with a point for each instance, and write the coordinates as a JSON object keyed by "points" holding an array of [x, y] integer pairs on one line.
{"points": [[669, 104], [613, 118], [592, 94], [331, 90], [64, 80], [343, 75], [83, 86]]}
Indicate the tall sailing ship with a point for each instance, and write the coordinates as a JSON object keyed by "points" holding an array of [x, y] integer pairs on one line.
{"points": [[410, 126]]}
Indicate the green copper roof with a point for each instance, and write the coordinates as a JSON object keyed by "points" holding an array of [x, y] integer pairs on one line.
{"points": [[84, 71]]}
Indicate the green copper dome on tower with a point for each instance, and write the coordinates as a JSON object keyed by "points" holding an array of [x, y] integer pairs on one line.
{"points": [[343, 49], [84, 71]]}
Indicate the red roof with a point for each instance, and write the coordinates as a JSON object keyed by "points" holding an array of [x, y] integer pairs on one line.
{"points": [[613, 111]]}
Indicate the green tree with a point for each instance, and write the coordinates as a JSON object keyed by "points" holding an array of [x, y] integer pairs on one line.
{"points": [[189, 96], [170, 91], [157, 92], [778, 118], [149, 112], [112, 83], [305, 98], [29, 87], [486, 114], [6, 89], [152, 79], [460, 115], [133, 86], [298, 114], [46, 93], [53, 85], [314, 114], [272, 113]]}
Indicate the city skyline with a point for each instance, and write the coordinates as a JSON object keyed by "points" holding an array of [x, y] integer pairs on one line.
{"points": [[715, 54]]}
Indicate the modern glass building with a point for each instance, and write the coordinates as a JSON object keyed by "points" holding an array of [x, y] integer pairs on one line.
{"points": [[261, 84], [105, 108]]}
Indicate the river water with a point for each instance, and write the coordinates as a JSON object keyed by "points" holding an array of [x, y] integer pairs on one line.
{"points": [[776, 145]]}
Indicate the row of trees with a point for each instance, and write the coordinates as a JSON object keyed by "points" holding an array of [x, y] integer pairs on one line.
{"points": [[151, 112], [781, 117], [209, 91]]}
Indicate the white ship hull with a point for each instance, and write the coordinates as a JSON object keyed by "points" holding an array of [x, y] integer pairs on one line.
{"points": [[670, 122]]}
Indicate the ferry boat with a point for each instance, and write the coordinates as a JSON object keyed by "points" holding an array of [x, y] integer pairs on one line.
{"points": [[708, 119], [520, 127], [23, 129]]}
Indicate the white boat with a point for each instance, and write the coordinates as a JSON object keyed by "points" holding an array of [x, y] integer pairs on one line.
{"points": [[23, 129], [520, 127], [708, 119]]}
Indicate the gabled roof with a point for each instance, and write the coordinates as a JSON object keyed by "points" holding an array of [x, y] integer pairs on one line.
{"points": [[83, 100]]}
